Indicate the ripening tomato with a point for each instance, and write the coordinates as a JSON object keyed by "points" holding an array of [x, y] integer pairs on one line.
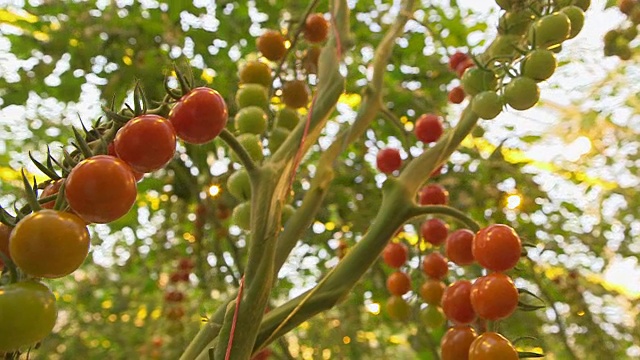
{"points": [[255, 72], [431, 291], [434, 231], [49, 243], [456, 59], [398, 283], [433, 194], [494, 296], [432, 317], [199, 116], [458, 247], [27, 314], [398, 308], [5, 233], [186, 264], [456, 303], [428, 128], [316, 28], [463, 66], [435, 266], [456, 95], [262, 355], [295, 94], [395, 254], [51, 189], [388, 160], [497, 247], [492, 346], [101, 189], [147, 143], [272, 45], [111, 151], [456, 342]]}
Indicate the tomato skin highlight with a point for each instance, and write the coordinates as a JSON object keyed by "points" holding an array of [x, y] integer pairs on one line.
{"points": [[497, 247], [101, 189], [492, 346], [199, 116], [456, 342], [28, 313], [146, 143], [49, 243], [456, 303], [494, 296]]}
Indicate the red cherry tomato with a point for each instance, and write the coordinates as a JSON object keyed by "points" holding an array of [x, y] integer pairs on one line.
{"points": [[431, 291], [434, 194], [434, 231], [398, 283], [492, 346], [494, 296], [497, 247], [101, 189], [458, 247], [435, 266], [199, 116], [456, 95], [5, 232], [147, 143], [395, 254], [388, 160], [49, 243], [111, 150], [456, 342], [49, 190], [456, 59], [456, 303], [428, 128]]}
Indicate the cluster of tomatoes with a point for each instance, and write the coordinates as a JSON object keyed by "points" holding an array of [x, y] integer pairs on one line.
{"points": [[616, 41]]}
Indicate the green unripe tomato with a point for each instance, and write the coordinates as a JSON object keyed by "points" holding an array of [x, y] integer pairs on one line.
{"points": [[630, 33], [504, 47], [287, 212], [576, 16], [624, 52], [582, 4], [241, 215], [251, 119], [516, 23], [507, 4], [277, 138], [476, 80], [550, 30], [252, 95], [539, 64], [432, 317], [239, 185], [252, 144], [27, 314], [522, 93], [398, 308], [255, 72], [287, 118], [487, 104]]}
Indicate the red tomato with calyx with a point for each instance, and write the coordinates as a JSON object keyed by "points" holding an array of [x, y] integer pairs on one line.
{"points": [[456, 303], [388, 160], [435, 266], [492, 346], [434, 231], [428, 128], [147, 143], [494, 296], [431, 291], [456, 95], [458, 247], [5, 232], [456, 59], [49, 243], [398, 283], [199, 116], [101, 189], [456, 342], [395, 254], [51, 189], [497, 247], [434, 194]]}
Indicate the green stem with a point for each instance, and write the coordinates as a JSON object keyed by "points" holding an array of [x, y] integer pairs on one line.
{"points": [[233, 143], [449, 211]]}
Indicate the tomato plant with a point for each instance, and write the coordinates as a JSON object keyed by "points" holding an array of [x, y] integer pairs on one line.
{"points": [[497, 247], [252, 143], [101, 189], [49, 243], [395, 254], [494, 296], [251, 119], [399, 283], [550, 30], [435, 266], [241, 215], [398, 308], [456, 303], [287, 118], [316, 28], [492, 346], [239, 185], [539, 64], [434, 231], [432, 317], [431, 291], [477, 80], [428, 128], [199, 116], [458, 247], [271, 45], [146, 143], [456, 342], [388, 160], [255, 72], [487, 104], [295, 94], [521, 93], [27, 313]]}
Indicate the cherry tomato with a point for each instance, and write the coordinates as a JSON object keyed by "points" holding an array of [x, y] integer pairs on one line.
{"points": [[49, 190], [241, 215], [252, 143], [179, 276], [431, 291], [494, 296], [175, 313], [316, 28], [287, 118], [186, 264], [5, 233], [521, 93], [147, 143], [456, 59], [101, 189], [477, 80], [435, 266], [487, 104], [456, 303], [111, 151], [434, 231], [492, 346], [295, 94], [252, 95], [432, 317], [199, 116], [433, 194], [27, 314], [398, 308], [463, 66], [388, 160], [174, 296], [458, 247], [49, 243], [255, 72], [398, 283], [251, 119], [456, 342], [576, 16], [395, 254], [428, 128], [550, 30], [271, 45], [456, 95], [239, 185], [497, 247], [516, 22], [539, 64]]}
